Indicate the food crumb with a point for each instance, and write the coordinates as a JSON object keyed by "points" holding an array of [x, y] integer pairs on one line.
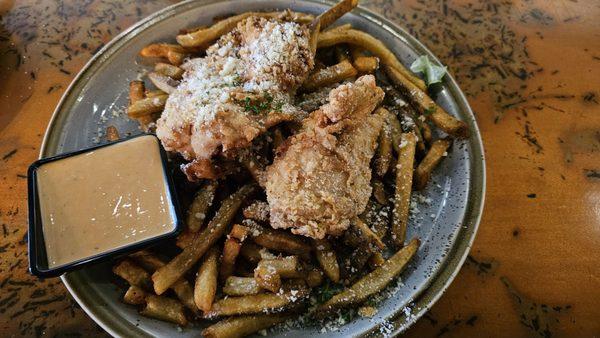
{"points": [[367, 311]]}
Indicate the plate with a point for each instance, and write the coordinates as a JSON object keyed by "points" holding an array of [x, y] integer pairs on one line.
{"points": [[446, 226]]}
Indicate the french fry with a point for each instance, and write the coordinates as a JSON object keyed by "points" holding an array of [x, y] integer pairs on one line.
{"points": [[383, 154], [404, 180], [280, 240], [430, 161], [260, 303], [241, 286], [231, 249], [136, 91], [373, 45], [155, 93], [147, 106], [327, 259], [379, 191], [258, 211], [164, 308], [372, 283], [133, 274], [359, 227], [313, 40], [394, 127], [169, 70], [164, 277], [377, 217], [205, 287], [330, 75], [251, 252], [112, 134], [243, 326], [314, 277], [174, 53], [239, 232], [163, 82], [203, 38], [199, 208], [427, 135], [135, 296], [184, 238], [363, 64], [269, 272], [277, 138], [376, 260], [427, 106], [339, 27], [182, 287], [337, 11]]}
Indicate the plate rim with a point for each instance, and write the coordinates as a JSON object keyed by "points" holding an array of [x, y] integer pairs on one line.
{"points": [[439, 283]]}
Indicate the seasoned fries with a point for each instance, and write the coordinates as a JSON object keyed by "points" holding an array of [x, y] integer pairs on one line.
{"points": [[206, 281], [376, 47], [330, 75], [327, 259], [427, 106], [164, 308], [243, 326], [404, 179], [241, 286], [371, 283], [200, 205], [434, 156], [170, 273], [260, 303], [237, 268]]}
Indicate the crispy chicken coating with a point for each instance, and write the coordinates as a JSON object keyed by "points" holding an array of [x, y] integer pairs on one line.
{"points": [[320, 178]]}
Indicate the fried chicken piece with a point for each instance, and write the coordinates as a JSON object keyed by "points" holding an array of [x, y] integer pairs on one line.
{"points": [[243, 86], [320, 178]]}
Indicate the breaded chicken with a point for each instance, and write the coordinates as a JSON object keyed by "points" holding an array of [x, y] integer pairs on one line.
{"points": [[243, 86], [320, 177]]}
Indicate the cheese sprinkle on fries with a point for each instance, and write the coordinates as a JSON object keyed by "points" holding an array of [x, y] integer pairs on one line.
{"points": [[300, 136]]}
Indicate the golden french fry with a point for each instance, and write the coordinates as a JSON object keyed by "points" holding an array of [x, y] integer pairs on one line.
{"points": [[330, 75], [367, 235], [427, 135], [258, 211], [136, 91], [164, 277], [251, 252], [241, 286], [163, 82], [366, 64], [205, 287], [377, 217], [260, 303], [184, 238], [147, 106], [379, 191], [169, 70], [203, 38], [200, 205], [404, 179], [269, 272], [339, 27], [164, 308], [372, 283], [315, 28], [427, 106], [281, 240], [383, 154], [182, 287], [231, 249], [373, 45], [429, 162], [327, 259], [314, 277], [174, 53], [135, 296], [112, 134], [376, 260], [154, 93], [133, 274], [239, 232], [333, 13], [243, 326]]}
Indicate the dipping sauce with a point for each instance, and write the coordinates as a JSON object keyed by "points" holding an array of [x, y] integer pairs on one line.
{"points": [[103, 200]]}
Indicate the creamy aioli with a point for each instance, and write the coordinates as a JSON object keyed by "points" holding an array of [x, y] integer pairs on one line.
{"points": [[103, 200]]}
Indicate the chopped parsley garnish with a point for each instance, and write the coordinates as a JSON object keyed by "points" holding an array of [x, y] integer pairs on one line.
{"points": [[326, 291], [433, 73], [261, 105]]}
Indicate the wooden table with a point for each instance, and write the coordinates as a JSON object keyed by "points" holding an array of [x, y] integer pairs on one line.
{"points": [[531, 71]]}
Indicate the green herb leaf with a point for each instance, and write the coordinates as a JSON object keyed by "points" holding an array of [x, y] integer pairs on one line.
{"points": [[326, 291], [433, 73]]}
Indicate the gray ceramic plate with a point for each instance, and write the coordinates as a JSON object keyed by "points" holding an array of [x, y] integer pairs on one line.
{"points": [[447, 225]]}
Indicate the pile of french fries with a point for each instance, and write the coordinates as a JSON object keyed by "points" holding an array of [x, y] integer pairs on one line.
{"points": [[231, 266]]}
